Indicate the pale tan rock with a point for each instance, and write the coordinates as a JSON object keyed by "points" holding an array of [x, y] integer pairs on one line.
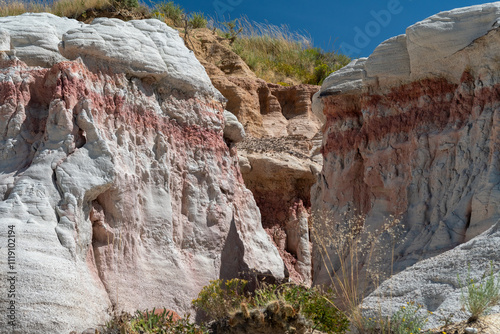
{"points": [[264, 109]]}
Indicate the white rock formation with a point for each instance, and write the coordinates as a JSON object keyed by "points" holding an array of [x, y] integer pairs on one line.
{"points": [[434, 283], [114, 174], [233, 129], [412, 131]]}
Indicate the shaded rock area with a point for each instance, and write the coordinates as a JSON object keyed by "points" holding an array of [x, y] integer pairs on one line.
{"points": [[280, 156], [412, 131], [114, 174]]}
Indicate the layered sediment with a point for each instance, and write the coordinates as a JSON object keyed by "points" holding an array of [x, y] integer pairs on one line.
{"points": [[116, 174], [412, 132]]}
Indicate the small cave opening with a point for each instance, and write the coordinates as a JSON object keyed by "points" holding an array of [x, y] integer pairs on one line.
{"points": [[80, 139]]}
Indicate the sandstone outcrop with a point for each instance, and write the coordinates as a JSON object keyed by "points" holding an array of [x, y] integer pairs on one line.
{"points": [[264, 109], [412, 131], [115, 175], [280, 157]]}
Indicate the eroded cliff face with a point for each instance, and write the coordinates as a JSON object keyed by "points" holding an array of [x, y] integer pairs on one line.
{"points": [[413, 131], [115, 175], [280, 156]]}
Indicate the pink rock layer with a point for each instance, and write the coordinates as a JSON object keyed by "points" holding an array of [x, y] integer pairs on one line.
{"points": [[425, 152], [126, 188]]}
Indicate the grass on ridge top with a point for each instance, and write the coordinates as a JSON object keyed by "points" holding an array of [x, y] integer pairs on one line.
{"points": [[273, 52], [276, 54], [65, 8]]}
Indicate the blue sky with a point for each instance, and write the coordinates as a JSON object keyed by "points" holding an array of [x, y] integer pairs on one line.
{"points": [[355, 27]]}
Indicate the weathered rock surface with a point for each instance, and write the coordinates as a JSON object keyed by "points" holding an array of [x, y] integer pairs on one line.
{"points": [[434, 283], [114, 174], [280, 173], [280, 157], [412, 131], [264, 109]]}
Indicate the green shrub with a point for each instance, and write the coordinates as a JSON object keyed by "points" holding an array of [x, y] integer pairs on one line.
{"points": [[221, 297], [231, 33], [315, 305], [171, 11], [408, 319], [197, 20], [480, 297], [227, 299], [148, 322]]}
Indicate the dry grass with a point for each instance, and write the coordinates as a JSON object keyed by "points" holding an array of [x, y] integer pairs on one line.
{"points": [[12, 8], [67, 8], [72, 8], [355, 259], [279, 55]]}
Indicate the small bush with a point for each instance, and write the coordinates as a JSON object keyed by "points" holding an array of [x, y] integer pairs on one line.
{"points": [[315, 305], [221, 297], [148, 322], [226, 299], [197, 20], [479, 298], [231, 32], [170, 11], [408, 319]]}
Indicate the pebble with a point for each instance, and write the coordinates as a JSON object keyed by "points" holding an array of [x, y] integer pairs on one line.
{"points": [[470, 330]]}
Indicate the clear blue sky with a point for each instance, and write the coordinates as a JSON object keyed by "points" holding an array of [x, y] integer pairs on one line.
{"points": [[333, 25]]}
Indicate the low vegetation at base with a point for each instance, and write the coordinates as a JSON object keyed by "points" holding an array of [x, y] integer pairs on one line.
{"points": [[478, 298], [228, 307], [281, 307], [151, 322], [273, 52]]}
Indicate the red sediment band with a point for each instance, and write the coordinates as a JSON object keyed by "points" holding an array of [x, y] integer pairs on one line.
{"points": [[72, 82], [420, 106]]}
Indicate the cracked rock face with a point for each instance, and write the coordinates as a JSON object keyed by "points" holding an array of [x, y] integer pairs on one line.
{"points": [[419, 141], [117, 180]]}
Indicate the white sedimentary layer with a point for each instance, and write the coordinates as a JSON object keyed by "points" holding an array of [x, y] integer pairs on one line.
{"points": [[114, 174], [439, 283], [426, 50], [139, 48]]}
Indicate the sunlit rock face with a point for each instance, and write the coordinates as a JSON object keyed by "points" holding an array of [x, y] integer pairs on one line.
{"points": [[413, 131], [114, 174]]}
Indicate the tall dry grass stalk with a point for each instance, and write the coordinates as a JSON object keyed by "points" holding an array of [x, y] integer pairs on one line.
{"points": [[355, 258]]}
